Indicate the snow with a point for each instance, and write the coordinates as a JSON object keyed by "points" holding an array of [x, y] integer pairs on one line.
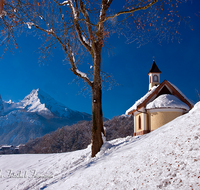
{"points": [[50, 31], [34, 116], [101, 11], [65, 3], [85, 40], [32, 102], [167, 101], [3, 13], [73, 58], [36, 102], [69, 2], [15, 117], [39, 102], [134, 107], [167, 158], [29, 24], [10, 106], [81, 73], [6, 146], [10, 102]]}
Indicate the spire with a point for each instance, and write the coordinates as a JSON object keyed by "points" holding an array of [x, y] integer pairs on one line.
{"points": [[154, 75], [154, 68]]}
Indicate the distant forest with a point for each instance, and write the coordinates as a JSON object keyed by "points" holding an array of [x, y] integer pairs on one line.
{"points": [[78, 136]]}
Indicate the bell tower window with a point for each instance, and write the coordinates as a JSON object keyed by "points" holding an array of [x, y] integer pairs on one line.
{"points": [[155, 78]]}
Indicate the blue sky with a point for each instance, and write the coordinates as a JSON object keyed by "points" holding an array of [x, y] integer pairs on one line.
{"points": [[129, 65]]}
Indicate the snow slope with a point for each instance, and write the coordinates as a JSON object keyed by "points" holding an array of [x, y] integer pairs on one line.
{"points": [[167, 158]]}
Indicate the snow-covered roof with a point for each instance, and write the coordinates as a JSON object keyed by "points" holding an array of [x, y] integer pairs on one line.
{"points": [[167, 101], [158, 88], [6, 146], [134, 107]]}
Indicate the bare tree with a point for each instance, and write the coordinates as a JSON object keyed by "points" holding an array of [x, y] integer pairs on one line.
{"points": [[81, 26], [1, 6]]}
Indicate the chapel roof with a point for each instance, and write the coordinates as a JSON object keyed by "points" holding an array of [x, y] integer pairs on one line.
{"points": [[155, 92], [154, 68], [167, 101]]}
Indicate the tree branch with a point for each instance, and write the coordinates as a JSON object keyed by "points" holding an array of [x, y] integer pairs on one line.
{"points": [[78, 27], [130, 11]]}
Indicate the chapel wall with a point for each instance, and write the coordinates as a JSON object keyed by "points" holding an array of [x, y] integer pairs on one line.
{"points": [[157, 119], [137, 122]]}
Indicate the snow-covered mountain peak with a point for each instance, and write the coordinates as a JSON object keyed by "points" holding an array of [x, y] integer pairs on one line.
{"points": [[37, 111], [9, 102], [32, 103], [42, 103], [33, 96]]}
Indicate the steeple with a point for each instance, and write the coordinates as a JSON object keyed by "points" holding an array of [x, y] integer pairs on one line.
{"points": [[154, 75]]}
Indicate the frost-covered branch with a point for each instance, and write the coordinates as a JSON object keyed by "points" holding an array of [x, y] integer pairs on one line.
{"points": [[81, 75], [64, 3]]}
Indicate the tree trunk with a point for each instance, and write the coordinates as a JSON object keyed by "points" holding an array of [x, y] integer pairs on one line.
{"points": [[97, 114], [1, 6]]}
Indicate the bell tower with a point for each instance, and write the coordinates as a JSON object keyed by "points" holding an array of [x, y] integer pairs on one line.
{"points": [[154, 75]]}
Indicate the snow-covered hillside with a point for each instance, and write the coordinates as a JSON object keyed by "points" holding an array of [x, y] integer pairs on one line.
{"points": [[34, 116], [167, 158]]}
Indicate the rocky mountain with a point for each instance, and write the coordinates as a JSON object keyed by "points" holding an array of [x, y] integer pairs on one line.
{"points": [[36, 115]]}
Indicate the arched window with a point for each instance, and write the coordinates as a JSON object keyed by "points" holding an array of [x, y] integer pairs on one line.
{"points": [[139, 122], [149, 79], [155, 78]]}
